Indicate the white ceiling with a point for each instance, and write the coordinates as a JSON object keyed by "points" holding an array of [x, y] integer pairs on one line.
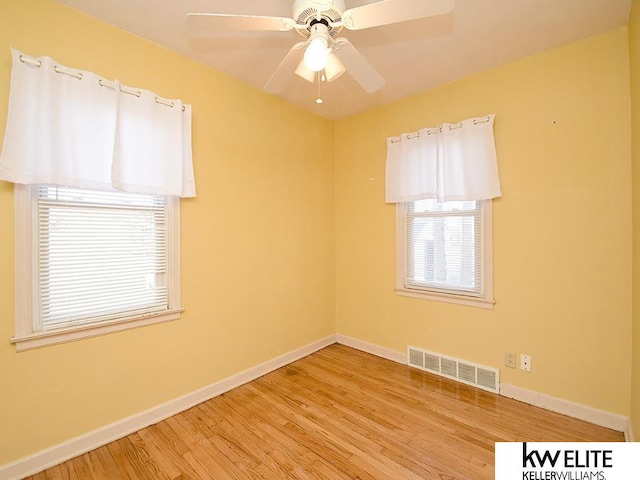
{"points": [[412, 56]]}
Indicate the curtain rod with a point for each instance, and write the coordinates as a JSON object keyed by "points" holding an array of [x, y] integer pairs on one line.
{"points": [[101, 82], [439, 129]]}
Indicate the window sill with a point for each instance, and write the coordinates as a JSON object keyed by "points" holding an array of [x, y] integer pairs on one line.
{"points": [[70, 334], [448, 298]]}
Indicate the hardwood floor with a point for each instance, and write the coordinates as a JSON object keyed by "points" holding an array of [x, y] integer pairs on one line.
{"points": [[337, 414]]}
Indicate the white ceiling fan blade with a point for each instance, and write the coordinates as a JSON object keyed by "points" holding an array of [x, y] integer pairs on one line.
{"points": [[358, 66], [220, 22], [278, 79], [393, 11]]}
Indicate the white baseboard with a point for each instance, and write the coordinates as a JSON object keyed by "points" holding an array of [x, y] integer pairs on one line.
{"points": [[602, 418], [566, 407], [377, 350], [97, 438], [628, 432]]}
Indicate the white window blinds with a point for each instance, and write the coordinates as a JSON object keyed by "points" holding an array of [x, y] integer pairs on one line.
{"points": [[101, 255], [444, 247]]}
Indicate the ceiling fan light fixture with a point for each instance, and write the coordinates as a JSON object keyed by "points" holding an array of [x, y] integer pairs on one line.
{"points": [[306, 73], [334, 68], [317, 52]]}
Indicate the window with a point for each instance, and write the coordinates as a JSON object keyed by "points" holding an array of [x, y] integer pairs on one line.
{"points": [[93, 262], [444, 251]]}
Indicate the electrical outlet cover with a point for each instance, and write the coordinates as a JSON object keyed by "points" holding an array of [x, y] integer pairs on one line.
{"points": [[510, 359], [525, 362]]}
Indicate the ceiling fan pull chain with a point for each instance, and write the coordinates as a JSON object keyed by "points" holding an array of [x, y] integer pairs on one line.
{"points": [[319, 99]]}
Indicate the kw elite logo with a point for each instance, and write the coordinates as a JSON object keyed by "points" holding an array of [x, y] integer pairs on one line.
{"points": [[572, 464], [567, 461]]}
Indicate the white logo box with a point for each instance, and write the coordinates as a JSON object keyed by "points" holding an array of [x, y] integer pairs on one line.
{"points": [[567, 461]]}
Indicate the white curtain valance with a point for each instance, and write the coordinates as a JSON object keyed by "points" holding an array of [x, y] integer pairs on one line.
{"points": [[74, 128], [449, 162]]}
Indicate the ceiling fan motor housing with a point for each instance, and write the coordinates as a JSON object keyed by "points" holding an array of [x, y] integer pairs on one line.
{"points": [[305, 11]]}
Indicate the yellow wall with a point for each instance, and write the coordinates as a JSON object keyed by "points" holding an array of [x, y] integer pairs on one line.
{"points": [[260, 272], [634, 47], [257, 242], [562, 230]]}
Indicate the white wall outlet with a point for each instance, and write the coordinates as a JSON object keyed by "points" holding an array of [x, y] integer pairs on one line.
{"points": [[525, 362], [510, 359]]}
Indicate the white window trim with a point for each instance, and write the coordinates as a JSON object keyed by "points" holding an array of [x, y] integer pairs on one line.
{"points": [[484, 301], [26, 270]]}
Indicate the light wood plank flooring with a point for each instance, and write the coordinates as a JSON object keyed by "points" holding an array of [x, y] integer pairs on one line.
{"points": [[336, 414]]}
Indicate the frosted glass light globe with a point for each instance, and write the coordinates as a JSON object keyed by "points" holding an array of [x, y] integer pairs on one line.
{"points": [[316, 54]]}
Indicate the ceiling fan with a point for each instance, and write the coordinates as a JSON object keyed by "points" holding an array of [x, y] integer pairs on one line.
{"points": [[321, 55]]}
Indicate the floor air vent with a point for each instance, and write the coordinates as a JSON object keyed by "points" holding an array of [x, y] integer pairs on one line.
{"points": [[486, 378]]}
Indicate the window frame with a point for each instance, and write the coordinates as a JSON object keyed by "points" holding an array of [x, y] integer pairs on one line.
{"points": [[485, 300], [26, 278]]}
